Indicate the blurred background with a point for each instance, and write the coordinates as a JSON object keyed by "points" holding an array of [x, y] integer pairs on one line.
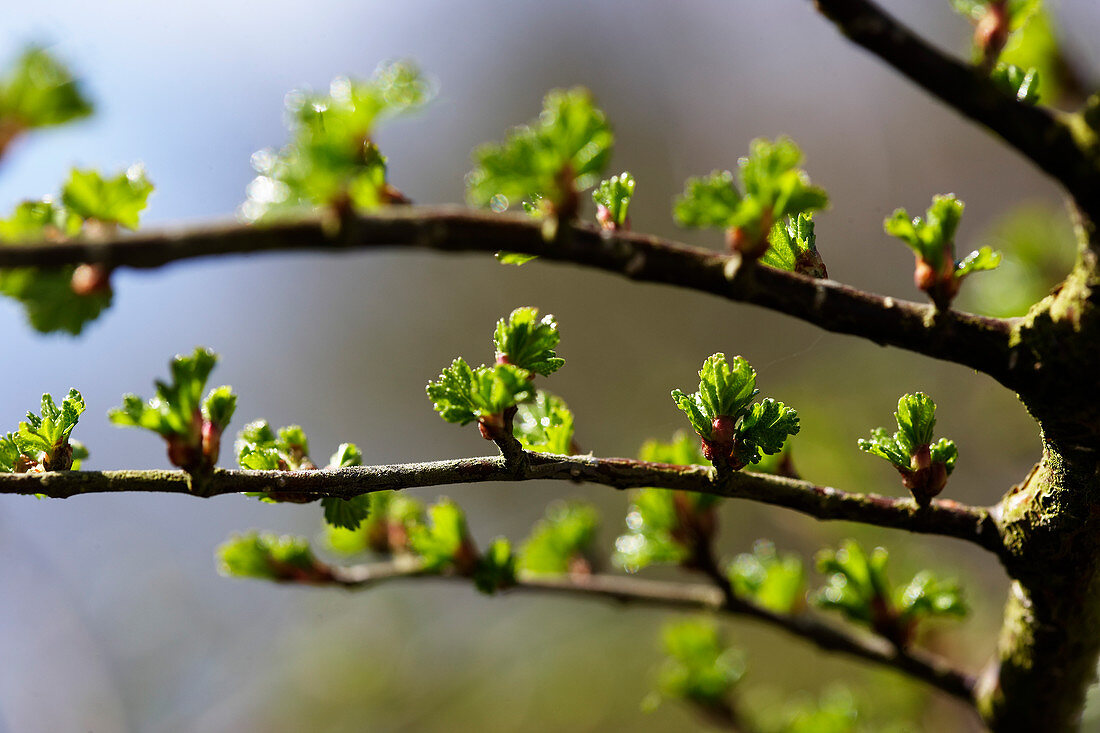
{"points": [[113, 617]]}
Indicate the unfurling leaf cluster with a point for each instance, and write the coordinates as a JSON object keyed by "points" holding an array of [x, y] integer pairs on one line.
{"points": [[38, 91], [612, 199], [774, 188], [191, 425], [42, 442], [67, 298], [524, 347], [859, 588], [259, 448], [792, 246], [547, 162], [462, 394], [699, 667], [932, 240], [268, 556], [776, 582], [562, 541], [545, 424], [528, 342], [924, 465], [332, 159], [735, 431], [385, 528], [443, 543]]}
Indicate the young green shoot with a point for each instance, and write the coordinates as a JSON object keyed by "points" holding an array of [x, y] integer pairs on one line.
{"points": [[859, 588], [69, 297], [191, 425], [734, 430], [42, 442], [562, 542], [551, 160], [773, 188], [331, 159], [932, 240], [924, 465], [612, 199]]}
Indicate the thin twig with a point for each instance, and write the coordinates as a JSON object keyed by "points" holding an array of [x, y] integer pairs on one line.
{"points": [[941, 517], [1039, 134], [975, 341], [917, 663]]}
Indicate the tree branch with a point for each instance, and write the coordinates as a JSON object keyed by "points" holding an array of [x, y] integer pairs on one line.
{"points": [[975, 341], [916, 663], [1039, 134], [942, 517]]}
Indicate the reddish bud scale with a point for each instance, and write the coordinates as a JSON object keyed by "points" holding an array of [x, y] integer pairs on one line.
{"points": [[926, 479], [91, 280], [991, 33], [211, 442], [466, 557]]}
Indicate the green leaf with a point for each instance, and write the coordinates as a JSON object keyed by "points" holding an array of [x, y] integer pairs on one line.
{"points": [[267, 556], [40, 91], [792, 246], [9, 453], [1020, 84], [462, 395], [887, 447], [44, 439], [384, 530], [857, 583], [54, 299], [173, 410], [659, 523], [773, 186], [835, 711], [556, 156], [445, 540], [562, 541], [346, 513], [36, 220], [219, 406], [191, 425], [916, 418], [981, 259], [923, 473], [699, 667], [612, 199], [348, 454], [527, 342], [683, 450], [496, 569], [926, 596], [973, 9], [49, 301], [725, 389], [514, 258], [774, 582], [931, 238], [48, 296], [545, 424], [118, 200], [1033, 45], [770, 175], [764, 428], [708, 202], [331, 157], [858, 588]]}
